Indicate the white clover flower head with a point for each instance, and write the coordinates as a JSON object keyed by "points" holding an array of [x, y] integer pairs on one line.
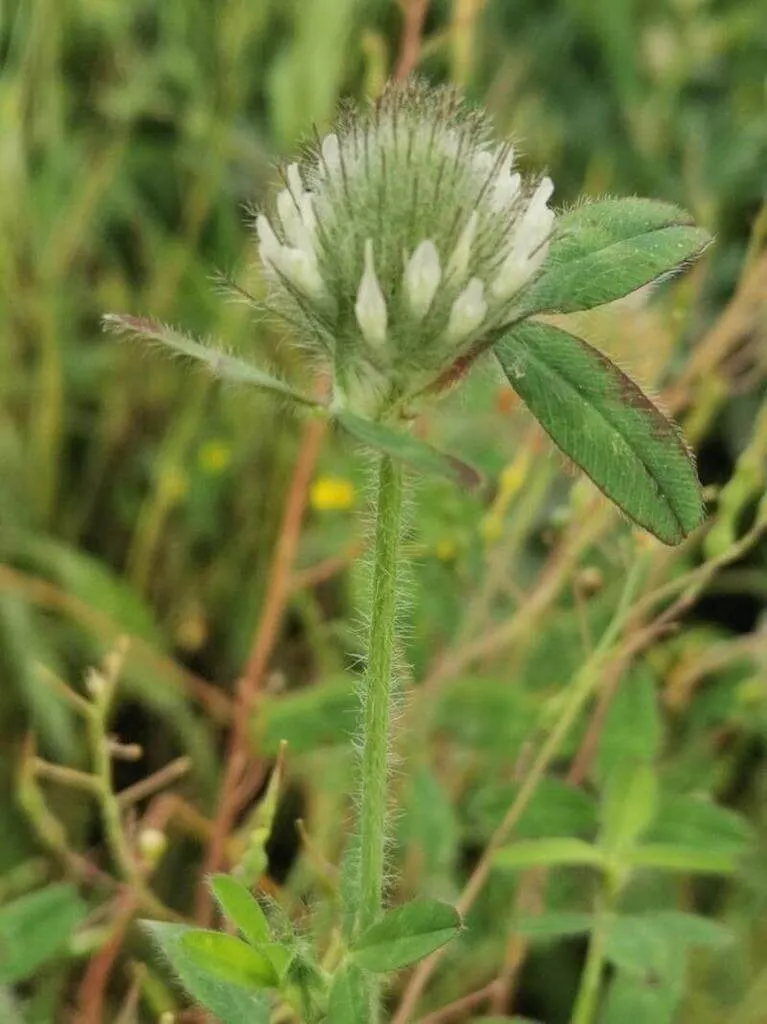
{"points": [[400, 243]]}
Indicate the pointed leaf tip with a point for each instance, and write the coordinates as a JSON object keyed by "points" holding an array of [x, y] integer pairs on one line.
{"points": [[220, 363], [409, 449], [406, 934], [241, 907], [601, 420]]}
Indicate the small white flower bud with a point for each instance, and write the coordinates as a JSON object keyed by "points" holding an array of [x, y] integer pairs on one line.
{"points": [[458, 266], [529, 246], [295, 184], [468, 311], [422, 277], [152, 844], [270, 246], [505, 190], [370, 307], [300, 268], [292, 221]]}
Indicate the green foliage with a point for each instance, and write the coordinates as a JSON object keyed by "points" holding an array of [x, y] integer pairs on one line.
{"points": [[241, 908], [231, 1003], [231, 960], [140, 498], [36, 928], [347, 1001], [603, 422], [405, 934], [602, 251], [410, 450]]}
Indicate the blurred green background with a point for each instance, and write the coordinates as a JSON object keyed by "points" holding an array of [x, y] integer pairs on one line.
{"points": [[138, 497]]}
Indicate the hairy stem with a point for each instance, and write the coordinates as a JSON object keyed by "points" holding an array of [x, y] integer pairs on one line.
{"points": [[376, 697]]}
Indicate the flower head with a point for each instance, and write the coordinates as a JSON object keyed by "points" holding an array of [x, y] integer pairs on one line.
{"points": [[402, 240]]}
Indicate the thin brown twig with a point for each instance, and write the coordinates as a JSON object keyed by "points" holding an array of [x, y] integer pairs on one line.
{"points": [[90, 996], [414, 14], [277, 594], [461, 1006], [529, 901], [326, 569], [146, 787]]}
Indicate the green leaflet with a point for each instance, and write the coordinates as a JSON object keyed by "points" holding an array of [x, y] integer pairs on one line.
{"points": [[241, 907], [629, 803], [607, 426], [220, 364], [531, 853], [347, 1001], [230, 959], [405, 934], [37, 927], [691, 860], [230, 1003], [406, 448], [653, 943], [604, 250]]}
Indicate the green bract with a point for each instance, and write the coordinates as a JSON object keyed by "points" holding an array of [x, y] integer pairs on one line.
{"points": [[404, 245]]}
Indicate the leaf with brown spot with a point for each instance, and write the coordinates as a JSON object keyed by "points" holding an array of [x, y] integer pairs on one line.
{"points": [[599, 418]]}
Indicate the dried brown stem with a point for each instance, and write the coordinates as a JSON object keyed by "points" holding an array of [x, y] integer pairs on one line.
{"points": [[414, 15]]}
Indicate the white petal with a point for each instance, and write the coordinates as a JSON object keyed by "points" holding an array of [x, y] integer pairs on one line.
{"points": [[483, 162], [468, 311], [543, 193], [421, 279], [300, 268], [370, 307], [290, 216], [331, 153], [307, 213], [295, 184], [505, 190], [270, 245], [458, 265], [529, 246]]}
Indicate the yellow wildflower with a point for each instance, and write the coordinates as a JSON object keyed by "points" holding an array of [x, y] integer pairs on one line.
{"points": [[331, 494]]}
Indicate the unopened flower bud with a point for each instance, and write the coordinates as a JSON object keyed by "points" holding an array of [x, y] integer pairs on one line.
{"points": [[468, 311], [458, 266], [295, 184], [152, 844], [370, 307], [422, 277]]}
